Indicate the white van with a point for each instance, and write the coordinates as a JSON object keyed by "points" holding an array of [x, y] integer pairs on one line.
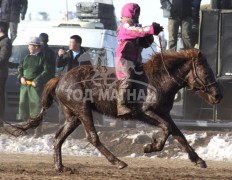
{"points": [[94, 40], [100, 44]]}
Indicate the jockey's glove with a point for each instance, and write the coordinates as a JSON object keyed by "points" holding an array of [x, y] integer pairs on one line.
{"points": [[157, 28]]}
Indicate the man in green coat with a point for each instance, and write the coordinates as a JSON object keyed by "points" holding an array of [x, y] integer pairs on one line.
{"points": [[33, 73]]}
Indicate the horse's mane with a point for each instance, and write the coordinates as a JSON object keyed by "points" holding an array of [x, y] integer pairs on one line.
{"points": [[170, 58]]}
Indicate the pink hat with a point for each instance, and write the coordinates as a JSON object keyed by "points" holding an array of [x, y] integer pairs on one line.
{"points": [[129, 10]]}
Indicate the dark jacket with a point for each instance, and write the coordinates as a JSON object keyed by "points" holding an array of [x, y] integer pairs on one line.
{"points": [[34, 68], [11, 9], [50, 56], [177, 8], [5, 53], [68, 61]]}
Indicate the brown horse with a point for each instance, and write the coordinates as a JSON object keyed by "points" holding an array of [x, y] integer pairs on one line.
{"points": [[154, 85]]}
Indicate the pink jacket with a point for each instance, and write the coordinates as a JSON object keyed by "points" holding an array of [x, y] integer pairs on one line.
{"points": [[128, 34]]}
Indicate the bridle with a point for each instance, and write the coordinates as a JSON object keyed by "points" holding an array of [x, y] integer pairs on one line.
{"points": [[198, 84], [203, 87]]}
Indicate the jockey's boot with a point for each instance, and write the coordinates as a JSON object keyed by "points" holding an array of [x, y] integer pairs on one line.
{"points": [[121, 98]]}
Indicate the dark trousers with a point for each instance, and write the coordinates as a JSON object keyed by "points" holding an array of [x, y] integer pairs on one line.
{"points": [[195, 10], [13, 30], [2, 97]]}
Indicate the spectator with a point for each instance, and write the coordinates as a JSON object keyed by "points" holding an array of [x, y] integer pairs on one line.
{"points": [[10, 13], [75, 56], [33, 73], [179, 14], [67, 60], [5, 53], [49, 53]]}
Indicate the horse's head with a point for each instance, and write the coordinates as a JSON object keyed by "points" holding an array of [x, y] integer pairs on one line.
{"points": [[202, 80]]}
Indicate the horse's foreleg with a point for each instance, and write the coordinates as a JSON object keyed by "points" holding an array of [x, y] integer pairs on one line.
{"points": [[69, 126], [155, 120], [193, 156], [93, 138]]}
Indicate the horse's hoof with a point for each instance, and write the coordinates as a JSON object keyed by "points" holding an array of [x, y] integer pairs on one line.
{"points": [[58, 168], [201, 163], [122, 165], [64, 169], [147, 148]]}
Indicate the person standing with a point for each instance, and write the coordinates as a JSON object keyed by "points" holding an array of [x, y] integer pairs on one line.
{"points": [[5, 53], [33, 73], [49, 53], [179, 14], [67, 60], [10, 13], [75, 56]]}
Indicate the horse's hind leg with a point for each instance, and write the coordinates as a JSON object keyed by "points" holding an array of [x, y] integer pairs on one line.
{"points": [[92, 136], [193, 156], [155, 120], [71, 123]]}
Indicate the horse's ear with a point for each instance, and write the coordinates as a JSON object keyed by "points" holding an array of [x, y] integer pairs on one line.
{"points": [[199, 54]]}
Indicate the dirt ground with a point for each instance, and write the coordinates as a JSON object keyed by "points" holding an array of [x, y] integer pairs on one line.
{"points": [[21, 166]]}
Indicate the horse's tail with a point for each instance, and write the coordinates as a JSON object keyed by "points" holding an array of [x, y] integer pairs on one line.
{"points": [[49, 93], [47, 100]]}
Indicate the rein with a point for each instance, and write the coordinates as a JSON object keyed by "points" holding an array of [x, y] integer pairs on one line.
{"points": [[162, 58]]}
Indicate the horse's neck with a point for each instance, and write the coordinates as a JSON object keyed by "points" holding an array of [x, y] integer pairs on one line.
{"points": [[174, 75], [179, 73]]}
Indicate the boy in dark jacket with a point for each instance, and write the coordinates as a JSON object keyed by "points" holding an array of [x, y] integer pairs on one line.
{"points": [[49, 53]]}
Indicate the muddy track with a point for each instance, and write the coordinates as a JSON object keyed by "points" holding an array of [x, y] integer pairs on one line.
{"points": [[19, 166], [37, 166]]}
